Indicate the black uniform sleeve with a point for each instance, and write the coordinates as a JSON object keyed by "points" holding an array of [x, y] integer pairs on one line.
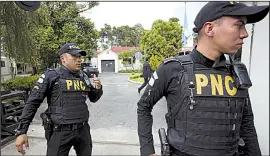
{"points": [[155, 90], [95, 94], [248, 132], [38, 93]]}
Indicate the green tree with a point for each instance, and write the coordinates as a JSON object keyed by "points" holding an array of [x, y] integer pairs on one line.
{"points": [[68, 26], [121, 36], [174, 19], [162, 41], [17, 26], [128, 56], [106, 36], [35, 37]]}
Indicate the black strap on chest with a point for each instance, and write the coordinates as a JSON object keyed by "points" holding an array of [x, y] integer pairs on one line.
{"points": [[187, 63], [59, 73]]}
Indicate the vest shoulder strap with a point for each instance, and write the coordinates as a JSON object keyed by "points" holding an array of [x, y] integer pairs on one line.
{"points": [[188, 64], [185, 59], [170, 59], [57, 70]]}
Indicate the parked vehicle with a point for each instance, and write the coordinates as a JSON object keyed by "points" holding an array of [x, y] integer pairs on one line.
{"points": [[89, 70]]}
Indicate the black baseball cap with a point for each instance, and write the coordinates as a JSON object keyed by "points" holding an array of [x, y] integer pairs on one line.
{"points": [[72, 49], [28, 5], [215, 10]]}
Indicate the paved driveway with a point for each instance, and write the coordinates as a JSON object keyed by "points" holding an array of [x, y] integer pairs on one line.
{"points": [[113, 120]]}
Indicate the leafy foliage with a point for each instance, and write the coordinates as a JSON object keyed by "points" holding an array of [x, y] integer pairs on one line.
{"points": [[130, 71], [120, 36], [128, 56], [35, 37], [135, 76], [155, 61], [20, 83], [162, 41]]}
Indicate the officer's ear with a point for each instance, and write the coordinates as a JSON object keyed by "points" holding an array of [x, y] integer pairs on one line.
{"points": [[208, 28], [62, 58]]}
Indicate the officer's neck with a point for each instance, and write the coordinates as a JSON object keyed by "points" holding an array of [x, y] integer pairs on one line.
{"points": [[71, 71], [209, 51]]}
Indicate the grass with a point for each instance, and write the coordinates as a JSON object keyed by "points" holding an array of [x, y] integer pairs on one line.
{"points": [[136, 77], [139, 79]]}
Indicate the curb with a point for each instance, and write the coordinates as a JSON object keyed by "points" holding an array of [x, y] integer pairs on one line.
{"points": [[124, 73], [134, 81], [115, 142]]}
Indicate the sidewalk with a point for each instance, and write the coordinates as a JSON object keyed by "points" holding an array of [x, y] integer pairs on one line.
{"points": [[109, 141]]}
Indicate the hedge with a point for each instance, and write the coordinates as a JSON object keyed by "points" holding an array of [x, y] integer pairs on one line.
{"points": [[129, 71], [135, 76], [20, 83]]}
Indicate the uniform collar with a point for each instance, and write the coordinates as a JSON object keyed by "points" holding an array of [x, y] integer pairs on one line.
{"points": [[69, 71], [201, 59]]}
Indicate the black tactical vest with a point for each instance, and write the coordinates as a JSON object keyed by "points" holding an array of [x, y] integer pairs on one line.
{"points": [[206, 121], [68, 101]]}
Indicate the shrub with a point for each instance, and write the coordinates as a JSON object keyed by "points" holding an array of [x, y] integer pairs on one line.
{"points": [[155, 61], [129, 71], [20, 83], [134, 76]]}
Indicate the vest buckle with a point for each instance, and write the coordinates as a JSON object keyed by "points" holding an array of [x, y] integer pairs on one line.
{"points": [[191, 87]]}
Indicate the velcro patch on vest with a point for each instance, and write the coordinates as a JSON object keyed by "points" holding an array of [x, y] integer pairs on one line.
{"points": [[73, 85], [41, 78], [151, 81], [216, 84], [153, 78]]}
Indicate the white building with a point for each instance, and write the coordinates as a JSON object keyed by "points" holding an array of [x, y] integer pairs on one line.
{"points": [[108, 60], [7, 65], [255, 55]]}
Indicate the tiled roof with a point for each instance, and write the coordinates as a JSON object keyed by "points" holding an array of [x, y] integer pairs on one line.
{"points": [[119, 49]]}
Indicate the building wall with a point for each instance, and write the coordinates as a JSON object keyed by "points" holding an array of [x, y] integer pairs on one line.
{"points": [[94, 61], [255, 54], [136, 66], [107, 55], [6, 71]]}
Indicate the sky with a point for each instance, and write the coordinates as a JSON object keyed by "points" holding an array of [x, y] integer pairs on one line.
{"points": [[145, 13]]}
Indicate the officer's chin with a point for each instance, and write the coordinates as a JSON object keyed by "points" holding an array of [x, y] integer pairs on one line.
{"points": [[76, 68], [231, 52]]}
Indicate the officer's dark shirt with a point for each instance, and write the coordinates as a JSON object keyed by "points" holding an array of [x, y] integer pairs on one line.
{"points": [[42, 90], [166, 85]]}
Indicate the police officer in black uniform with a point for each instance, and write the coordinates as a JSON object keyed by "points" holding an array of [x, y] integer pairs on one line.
{"points": [[208, 108], [66, 119]]}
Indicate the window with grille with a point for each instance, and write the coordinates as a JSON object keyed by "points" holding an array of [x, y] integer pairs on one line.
{"points": [[3, 64]]}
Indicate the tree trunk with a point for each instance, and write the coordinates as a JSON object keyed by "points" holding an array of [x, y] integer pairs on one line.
{"points": [[12, 71], [35, 71]]}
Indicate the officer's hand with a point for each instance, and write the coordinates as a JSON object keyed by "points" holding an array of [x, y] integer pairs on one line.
{"points": [[97, 83], [20, 141]]}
